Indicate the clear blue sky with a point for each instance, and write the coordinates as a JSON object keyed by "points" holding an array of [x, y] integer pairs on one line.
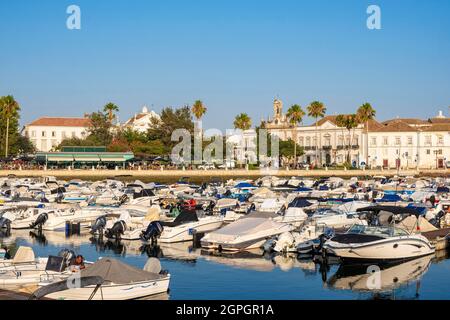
{"points": [[235, 55]]}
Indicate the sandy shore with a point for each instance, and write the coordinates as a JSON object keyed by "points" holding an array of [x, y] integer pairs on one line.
{"points": [[220, 173]]}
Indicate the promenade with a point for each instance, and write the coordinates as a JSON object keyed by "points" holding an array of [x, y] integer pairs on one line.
{"points": [[221, 173]]}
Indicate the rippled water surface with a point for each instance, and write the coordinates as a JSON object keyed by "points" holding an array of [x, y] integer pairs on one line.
{"points": [[199, 275]]}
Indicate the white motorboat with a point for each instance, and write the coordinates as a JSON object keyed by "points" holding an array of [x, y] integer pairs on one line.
{"points": [[112, 280], [246, 233], [186, 224], [337, 219], [381, 242], [26, 269]]}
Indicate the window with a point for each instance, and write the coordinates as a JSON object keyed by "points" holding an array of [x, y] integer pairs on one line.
{"points": [[73, 134], [33, 134], [43, 134], [308, 141], [327, 141], [397, 141], [410, 140], [385, 141], [300, 141], [314, 141], [63, 135], [53, 134], [440, 139], [355, 141], [428, 140], [341, 140], [428, 151], [373, 141]]}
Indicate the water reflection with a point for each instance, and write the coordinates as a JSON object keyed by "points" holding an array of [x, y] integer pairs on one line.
{"points": [[199, 274], [384, 280]]}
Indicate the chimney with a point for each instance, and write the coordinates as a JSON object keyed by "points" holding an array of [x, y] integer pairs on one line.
{"points": [[440, 115]]}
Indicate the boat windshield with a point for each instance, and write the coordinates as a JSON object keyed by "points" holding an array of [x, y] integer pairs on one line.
{"points": [[382, 231]]}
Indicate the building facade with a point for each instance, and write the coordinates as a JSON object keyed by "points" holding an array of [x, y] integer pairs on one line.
{"points": [[396, 143], [48, 132], [142, 121]]}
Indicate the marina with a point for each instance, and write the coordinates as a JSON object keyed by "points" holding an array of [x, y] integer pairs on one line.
{"points": [[265, 238]]}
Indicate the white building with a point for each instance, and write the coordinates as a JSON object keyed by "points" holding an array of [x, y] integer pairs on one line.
{"points": [[142, 121], [243, 146], [396, 143], [48, 132]]}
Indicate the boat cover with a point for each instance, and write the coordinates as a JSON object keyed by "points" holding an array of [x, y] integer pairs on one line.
{"points": [[153, 213], [243, 227], [410, 224], [299, 203], [115, 271]]}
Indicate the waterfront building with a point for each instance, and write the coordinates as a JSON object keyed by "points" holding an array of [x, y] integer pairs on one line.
{"points": [[48, 132], [83, 157], [396, 143], [141, 121]]}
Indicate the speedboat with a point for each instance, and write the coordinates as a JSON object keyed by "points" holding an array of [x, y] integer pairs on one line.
{"points": [[337, 219], [186, 224], [249, 232], [26, 269], [382, 240], [109, 279]]}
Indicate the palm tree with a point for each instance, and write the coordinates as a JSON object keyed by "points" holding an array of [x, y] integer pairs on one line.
{"points": [[295, 115], [199, 109], [316, 110], [351, 122], [110, 108], [242, 121], [9, 107], [364, 114]]}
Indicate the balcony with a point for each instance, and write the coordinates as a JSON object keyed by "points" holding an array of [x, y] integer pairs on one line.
{"points": [[326, 147]]}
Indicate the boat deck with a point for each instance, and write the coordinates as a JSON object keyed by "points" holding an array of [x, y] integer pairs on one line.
{"points": [[439, 238]]}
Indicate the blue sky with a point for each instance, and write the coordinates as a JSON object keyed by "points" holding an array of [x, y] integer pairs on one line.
{"points": [[235, 55]]}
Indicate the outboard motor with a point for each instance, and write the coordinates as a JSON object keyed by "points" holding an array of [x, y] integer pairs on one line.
{"points": [[5, 223], [117, 230], [99, 225], [436, 221], [68, 256], [59, 197], [153, 231], [41, 219], [123, 198]]}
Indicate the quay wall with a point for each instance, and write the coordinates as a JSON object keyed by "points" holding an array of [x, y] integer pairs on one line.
{"points": [[222, 173]]}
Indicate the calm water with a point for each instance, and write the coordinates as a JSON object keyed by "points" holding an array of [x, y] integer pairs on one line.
{"points": [[198, 275]]}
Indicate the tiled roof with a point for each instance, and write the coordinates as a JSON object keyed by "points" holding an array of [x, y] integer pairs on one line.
{"points": [[396, 126], [412, 121], [439, 120], [437, 127], [61, 122]]}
